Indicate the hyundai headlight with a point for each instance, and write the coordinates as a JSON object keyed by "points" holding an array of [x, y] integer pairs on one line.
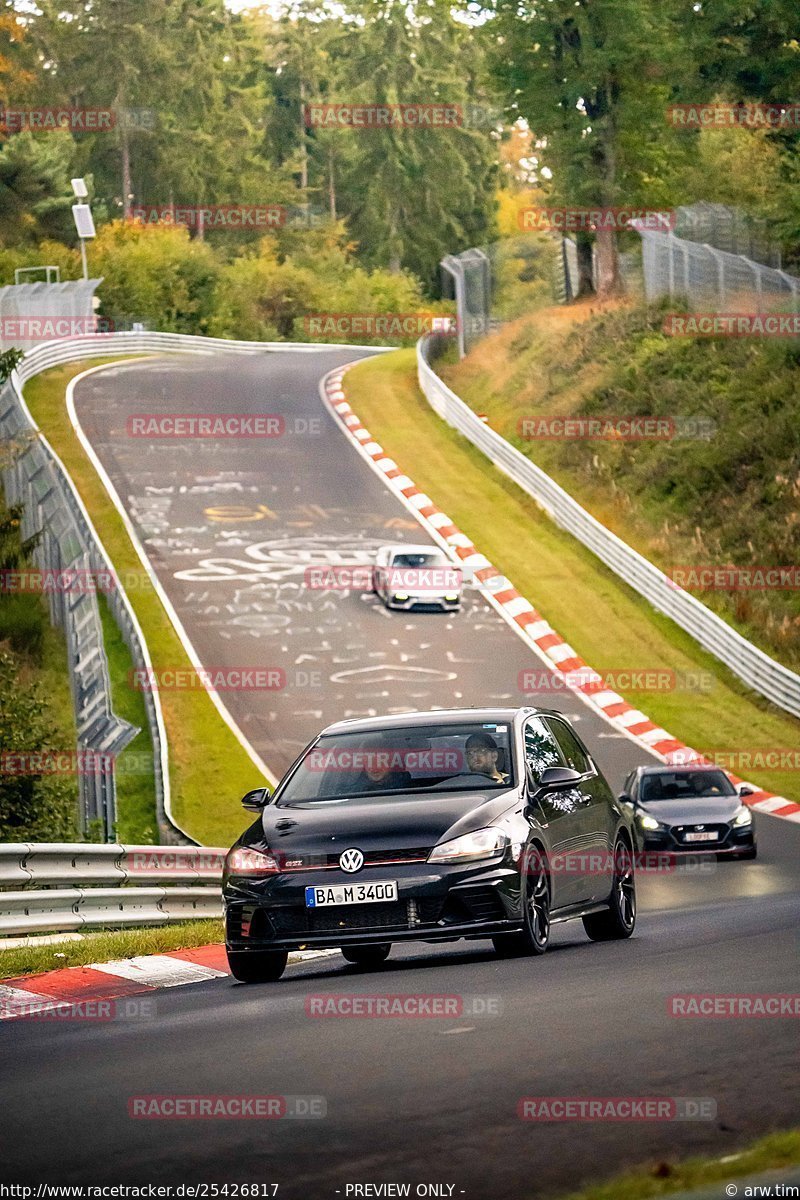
{"points": [[471, 847], [743, 817], [648, 822]]}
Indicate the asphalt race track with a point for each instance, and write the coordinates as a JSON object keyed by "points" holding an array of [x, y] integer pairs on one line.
{"points": [[416, 1101]]}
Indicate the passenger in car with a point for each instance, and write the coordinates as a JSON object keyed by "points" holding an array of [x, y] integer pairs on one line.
{"points": [[375, 778]]}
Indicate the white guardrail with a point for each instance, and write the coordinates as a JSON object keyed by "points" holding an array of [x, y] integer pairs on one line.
{"points": [[64, 887], [755, 668]]}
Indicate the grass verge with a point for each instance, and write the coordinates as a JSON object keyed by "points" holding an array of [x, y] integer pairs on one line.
{"points": [[209, 769], [137, 822], [606, 622], [106, 946], [721, 489], [776, 1151]]}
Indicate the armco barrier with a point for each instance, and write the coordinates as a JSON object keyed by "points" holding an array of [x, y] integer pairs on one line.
{"points": [[62, 887], [755, 668]]}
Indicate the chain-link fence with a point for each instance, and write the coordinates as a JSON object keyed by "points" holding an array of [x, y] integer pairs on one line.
{"points": [[502, 281], [728, 229], [31, 313], [713, 279], [33, 478]]}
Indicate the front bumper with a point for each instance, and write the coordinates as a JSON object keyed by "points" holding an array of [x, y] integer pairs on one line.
{"points": [[435, 903], [731, 840]]}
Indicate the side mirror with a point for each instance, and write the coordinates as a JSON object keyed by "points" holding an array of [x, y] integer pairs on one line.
{"points": [[744, 789], [552, 779], [557, 779], [624, 798], [254, 801]]}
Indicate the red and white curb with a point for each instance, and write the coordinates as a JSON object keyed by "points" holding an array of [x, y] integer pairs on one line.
{"points": [[520, 613], [86, 993]]}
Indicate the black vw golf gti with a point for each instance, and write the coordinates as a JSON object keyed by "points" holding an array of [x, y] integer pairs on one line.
{"points": [[461, 823]]}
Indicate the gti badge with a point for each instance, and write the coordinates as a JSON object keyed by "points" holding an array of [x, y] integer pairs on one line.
{"points": [[351, 861]]}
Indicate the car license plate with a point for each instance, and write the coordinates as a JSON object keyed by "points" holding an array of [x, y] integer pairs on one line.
{"points": [[351, 893], [713, 836]]}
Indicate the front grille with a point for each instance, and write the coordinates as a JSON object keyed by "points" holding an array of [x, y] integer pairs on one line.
{"points": [[393, 915], [372, 858]]}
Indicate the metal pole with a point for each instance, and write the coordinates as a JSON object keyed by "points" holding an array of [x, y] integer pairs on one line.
{"points": [[83, 259]]}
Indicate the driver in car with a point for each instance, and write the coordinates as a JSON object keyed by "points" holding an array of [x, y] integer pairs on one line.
{"points": [[482, 753]]}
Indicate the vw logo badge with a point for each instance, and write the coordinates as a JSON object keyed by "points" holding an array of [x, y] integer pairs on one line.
{"points": [[351, 861]]}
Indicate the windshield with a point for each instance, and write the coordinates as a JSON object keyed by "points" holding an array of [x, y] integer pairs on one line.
{"points": [[685, 785], [420, 560], [425, 759]]}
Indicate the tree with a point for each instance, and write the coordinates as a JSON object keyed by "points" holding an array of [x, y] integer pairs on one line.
{"points": [[591, 79], [155, 274], [35, 193], [414, 195]]}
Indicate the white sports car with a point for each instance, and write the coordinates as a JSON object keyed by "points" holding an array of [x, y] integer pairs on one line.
{"points": [[421, 577]]}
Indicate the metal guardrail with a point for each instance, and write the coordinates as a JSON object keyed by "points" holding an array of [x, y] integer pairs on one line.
{"points": [[63, 887], [755, 668]]}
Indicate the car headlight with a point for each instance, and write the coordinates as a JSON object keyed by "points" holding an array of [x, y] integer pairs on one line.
{"points": [[743, 817], [648, 822], [401, 596], [484, 843], [245, 860], [451, 596]]}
